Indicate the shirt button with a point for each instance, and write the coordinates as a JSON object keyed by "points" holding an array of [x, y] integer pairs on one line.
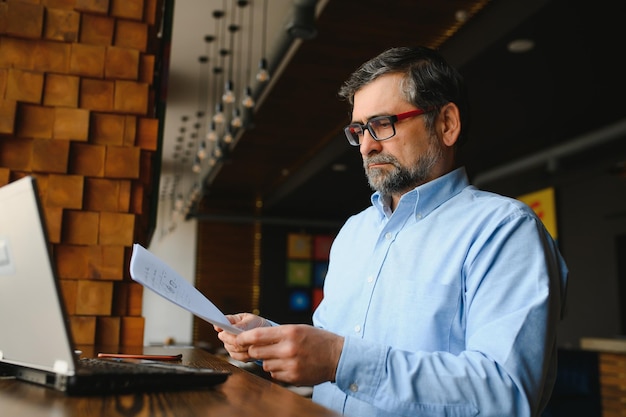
{"points": [[357, 328], [354, 387], [388, 235], [370, 279]]}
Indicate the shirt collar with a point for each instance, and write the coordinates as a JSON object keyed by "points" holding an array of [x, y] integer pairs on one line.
{"points": [[426, 197]]}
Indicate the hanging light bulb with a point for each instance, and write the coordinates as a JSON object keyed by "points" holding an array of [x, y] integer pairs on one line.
{"points": [[229, 96], [211, 135], [202, 150], [217, 152], [178, 204], [196, 167], [248, 100], [263, 75], [228, 135], [236, 121], [218, 117]]}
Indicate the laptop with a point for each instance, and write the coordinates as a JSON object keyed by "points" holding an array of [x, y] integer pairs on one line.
{"points": [[35, 339]]}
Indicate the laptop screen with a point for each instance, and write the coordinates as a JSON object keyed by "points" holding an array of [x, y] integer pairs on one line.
{"points": [[33, 332]]}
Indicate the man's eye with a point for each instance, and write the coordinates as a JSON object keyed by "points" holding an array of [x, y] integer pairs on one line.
{"points": [[381, 123]]}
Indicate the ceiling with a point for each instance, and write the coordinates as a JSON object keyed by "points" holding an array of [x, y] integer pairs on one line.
{"points": [[539, 116]]}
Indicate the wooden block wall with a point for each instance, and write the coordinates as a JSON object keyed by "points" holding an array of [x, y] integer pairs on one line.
{"points": [[613, 384], [76, 82]]}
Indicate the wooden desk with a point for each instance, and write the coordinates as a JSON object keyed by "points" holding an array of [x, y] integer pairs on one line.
{"points": [[243, 394]]}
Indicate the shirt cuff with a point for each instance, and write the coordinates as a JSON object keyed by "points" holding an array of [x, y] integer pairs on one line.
{"points": [[361, 367]]}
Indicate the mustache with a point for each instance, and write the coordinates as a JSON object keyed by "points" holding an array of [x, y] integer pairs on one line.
{"points": [[379, 159]]}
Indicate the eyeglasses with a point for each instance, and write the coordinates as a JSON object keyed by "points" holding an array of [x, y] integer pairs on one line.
{"points": [[381, 127]]}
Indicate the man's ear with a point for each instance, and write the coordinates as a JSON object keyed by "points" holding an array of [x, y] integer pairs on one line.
{"points": [[450, 124]]}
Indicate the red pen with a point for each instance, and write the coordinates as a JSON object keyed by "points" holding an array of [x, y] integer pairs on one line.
{"points": [[141, 356]]}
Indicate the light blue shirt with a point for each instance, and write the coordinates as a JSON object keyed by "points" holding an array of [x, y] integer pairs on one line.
{"points": [[448, 306]]}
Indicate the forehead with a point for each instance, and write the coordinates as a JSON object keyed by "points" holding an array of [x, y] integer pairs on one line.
{"points": [[381, 96]]}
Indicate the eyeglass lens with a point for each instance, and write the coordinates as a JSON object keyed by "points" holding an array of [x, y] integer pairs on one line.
{"points": [[380, 128]]}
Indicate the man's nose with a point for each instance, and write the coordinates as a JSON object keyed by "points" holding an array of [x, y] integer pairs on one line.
{"points": [[368, 143]]}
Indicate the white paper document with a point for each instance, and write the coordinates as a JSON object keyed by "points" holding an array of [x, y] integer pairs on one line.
{"points": [[153, 273]]}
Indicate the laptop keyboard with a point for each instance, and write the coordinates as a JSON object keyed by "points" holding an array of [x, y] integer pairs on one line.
{"points": [[107, 366]]}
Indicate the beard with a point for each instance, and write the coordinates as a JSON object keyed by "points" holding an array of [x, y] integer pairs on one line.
{"points": [[401, 179]]}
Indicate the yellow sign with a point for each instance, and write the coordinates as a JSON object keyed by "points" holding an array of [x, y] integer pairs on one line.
{"points": [[542, 203]]}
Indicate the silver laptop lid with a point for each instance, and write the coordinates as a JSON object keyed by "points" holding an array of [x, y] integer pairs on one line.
{"points": [[33, 331]]}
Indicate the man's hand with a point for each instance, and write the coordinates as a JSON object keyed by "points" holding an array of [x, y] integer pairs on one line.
{"points": [[244, 321], [296, 354]]}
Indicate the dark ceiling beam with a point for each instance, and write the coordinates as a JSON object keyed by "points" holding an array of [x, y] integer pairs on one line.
{"points": [[493, 22]]}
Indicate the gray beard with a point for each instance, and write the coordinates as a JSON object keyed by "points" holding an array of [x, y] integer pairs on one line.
{"points": [[401, 179]]}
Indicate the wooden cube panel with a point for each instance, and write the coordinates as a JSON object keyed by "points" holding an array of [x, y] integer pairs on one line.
{"points": [[4, 176], [50, 156], [138, 201], [52, 56], [42, 186], [16, 154], [108, 331], [148, 134], [150, 12], [3, 17], [72, 261], [122, 162], [147, 159], [65, 191], [130, 130], [94, 297], [146, 69], [121, 63], [71, 124], [87, 160], [87, 60], [4, 73], [24, 19], [83, 329], [97, 30], [612, 370], [127, 9], [135, 299], [68, 292], [54, 222], [107, 195], [117, 229], [107, 262], [35, 121], [107, 129], [132, 331], [97, 94], [61, 25], [80, 227], [93, 6], [61, 90], [26, 86], [131, 97], [16, 53], [59, 4], [8, 110], [120, 298], [130, 34]]}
